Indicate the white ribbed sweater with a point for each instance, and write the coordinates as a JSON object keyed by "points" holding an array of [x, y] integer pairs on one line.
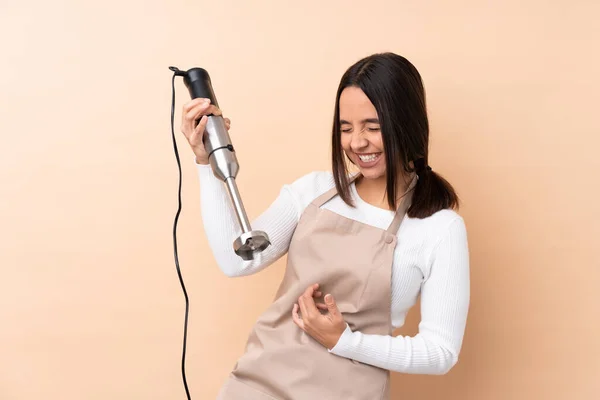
{"points": [[431, 258]]}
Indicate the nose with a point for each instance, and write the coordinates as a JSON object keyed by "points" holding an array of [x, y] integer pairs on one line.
{"points": [[358, 141]]}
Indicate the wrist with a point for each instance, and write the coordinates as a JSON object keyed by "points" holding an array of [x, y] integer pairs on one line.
{"points": [[343, 336], [200, 161], [335, 337]]}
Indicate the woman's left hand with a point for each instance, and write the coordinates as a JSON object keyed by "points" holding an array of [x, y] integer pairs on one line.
{"points": [[324, 328]]}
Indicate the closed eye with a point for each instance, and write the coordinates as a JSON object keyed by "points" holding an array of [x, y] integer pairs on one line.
{"points": [[369, 129]]}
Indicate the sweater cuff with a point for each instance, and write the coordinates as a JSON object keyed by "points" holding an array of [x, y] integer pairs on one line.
{"points": [[199, 165], [344, 342]]}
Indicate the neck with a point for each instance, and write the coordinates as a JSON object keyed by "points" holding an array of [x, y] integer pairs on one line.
{"points": [[373, 191]]}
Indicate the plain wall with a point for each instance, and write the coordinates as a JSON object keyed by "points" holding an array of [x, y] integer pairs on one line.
{"points": [[90, 302]]}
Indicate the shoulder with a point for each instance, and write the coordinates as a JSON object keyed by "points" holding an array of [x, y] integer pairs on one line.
{"points": [[443, 219], [313, 181], [307, 187], [443, 225]]}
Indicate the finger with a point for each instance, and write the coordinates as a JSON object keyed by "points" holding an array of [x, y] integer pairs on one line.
{"points": [[189, 118], [193, 103], [309, 306], [209, 109], [199, 130], [206, 110], [303, 308], [317, 294], [201, 124], [305, 301], [322, 306], [214, 110], [191, 107], [296, 318], [201, 110], [331, 304], [310, 290], [227, 123]]}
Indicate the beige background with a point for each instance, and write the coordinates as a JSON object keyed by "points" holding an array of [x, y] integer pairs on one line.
{"points": [[90, 302]]}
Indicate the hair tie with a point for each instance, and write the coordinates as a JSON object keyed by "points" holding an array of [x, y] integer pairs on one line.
{"points": [[420, 166]]}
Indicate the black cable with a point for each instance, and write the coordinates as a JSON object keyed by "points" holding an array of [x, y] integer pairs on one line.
{"points": [[187, 302]]}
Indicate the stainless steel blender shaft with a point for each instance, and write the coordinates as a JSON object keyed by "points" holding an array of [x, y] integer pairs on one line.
{"points": [[234, 195], [225, 165]]}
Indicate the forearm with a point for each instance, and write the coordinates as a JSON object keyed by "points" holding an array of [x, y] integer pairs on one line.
{"points": [[222, 228], [412, 355], [444, 306]]}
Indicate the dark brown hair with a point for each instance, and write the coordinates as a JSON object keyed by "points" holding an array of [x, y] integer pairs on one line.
{"points": [[395, 88]]}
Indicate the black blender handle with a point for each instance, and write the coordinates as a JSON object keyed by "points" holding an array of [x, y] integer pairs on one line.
{"points": [[198, 83]]}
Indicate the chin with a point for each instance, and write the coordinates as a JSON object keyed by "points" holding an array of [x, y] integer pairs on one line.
{"points": [[370, 173]]}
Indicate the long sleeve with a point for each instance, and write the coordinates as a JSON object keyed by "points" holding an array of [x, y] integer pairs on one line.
{"points": [[222, 228], [445, 295]]}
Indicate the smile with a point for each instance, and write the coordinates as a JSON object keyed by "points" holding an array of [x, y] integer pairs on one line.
{"points": [[367, 158]]}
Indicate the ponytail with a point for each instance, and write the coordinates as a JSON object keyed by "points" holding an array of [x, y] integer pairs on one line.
{"points": [[432, 193]]}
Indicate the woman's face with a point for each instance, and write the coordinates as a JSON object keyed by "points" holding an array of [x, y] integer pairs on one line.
{"points": [[361, 134]]}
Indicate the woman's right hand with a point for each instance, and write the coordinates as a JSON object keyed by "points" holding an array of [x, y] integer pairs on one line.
{"points": [[193, 125]]}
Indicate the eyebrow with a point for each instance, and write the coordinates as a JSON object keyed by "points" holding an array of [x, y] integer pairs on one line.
{"points": [[367, 120]]}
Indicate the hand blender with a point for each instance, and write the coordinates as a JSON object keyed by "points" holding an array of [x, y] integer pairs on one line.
{"points": [[224, 164]]}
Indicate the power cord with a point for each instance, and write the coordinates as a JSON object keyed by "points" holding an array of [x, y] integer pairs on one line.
{"points": [[187, 302]]}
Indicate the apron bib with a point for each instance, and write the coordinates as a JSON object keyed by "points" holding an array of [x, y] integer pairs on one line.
{"points": [[352, 261]]}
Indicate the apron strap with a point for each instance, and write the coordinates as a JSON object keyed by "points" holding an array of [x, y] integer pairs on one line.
{"points": [[328, 195], [400, 213], [404, 205]]}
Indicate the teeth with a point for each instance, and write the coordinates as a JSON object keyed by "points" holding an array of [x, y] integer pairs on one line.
{"points": [[370, 157]]}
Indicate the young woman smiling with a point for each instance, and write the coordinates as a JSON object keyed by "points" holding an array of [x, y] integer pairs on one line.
{"points": [[360, 250]]}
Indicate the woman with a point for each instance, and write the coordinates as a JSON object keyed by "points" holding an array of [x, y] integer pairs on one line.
{"points": [[360, 249]]}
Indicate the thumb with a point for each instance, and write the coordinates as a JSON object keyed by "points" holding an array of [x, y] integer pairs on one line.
{"points": [[199, 131], [330, 302]]}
